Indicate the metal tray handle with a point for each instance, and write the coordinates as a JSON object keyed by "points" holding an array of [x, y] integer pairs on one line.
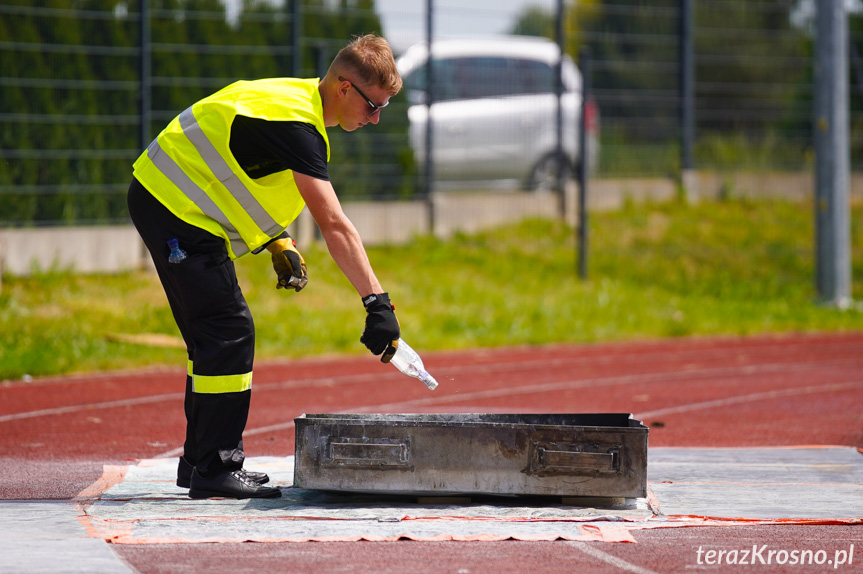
{"points": [[549, 459], [366, 454]]}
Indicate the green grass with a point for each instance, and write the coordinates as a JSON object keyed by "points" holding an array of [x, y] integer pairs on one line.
{"points": [[726, 151], [664, 270]]}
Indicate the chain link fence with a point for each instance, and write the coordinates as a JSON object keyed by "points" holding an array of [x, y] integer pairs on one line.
{"points": [[84, 86]]}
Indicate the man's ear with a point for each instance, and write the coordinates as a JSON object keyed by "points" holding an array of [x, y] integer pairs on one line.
{"points": [[343, 88]]}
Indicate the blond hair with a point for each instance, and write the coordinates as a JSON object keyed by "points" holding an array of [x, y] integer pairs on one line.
{"points": [[369, 60]]}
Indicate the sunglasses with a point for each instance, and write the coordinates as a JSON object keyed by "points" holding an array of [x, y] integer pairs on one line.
{"points": [[375, 108]]}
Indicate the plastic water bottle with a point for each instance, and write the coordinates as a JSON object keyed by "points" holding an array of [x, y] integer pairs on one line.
{"points": [[408, 361], [176, 254]]}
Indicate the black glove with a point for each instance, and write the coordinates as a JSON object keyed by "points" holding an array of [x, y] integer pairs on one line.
{"points": [[288, 263], [382, 327]]}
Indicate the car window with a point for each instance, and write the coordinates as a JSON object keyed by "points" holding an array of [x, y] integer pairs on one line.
{"points": [[490, 77], [484, 77], [446, 85], [533, 77]]}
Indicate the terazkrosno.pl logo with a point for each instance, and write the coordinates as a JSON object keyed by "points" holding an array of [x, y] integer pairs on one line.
{"points": [[765, 555]]}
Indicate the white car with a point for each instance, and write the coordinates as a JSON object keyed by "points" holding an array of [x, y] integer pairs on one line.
{"points": [[494, 112]]}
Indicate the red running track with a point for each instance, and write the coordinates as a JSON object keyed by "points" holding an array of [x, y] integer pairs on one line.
{"points": [[801, 389]]}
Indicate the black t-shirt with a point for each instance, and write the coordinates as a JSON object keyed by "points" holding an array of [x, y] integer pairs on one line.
{"points": [[262, 147]]}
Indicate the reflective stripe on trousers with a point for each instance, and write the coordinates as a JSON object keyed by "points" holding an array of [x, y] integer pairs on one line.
{"points": [[208, 384]]}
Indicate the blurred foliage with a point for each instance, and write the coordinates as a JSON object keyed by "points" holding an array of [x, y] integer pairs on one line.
{"points": [[70, 94]]}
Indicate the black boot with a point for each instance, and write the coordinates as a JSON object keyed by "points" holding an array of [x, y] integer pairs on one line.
{"points": [[184, 474], [231, 484]]}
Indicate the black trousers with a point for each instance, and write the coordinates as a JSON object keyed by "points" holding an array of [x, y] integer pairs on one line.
{"points": [[215, 323]]}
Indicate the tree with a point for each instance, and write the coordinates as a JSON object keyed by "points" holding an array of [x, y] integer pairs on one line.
{"points": [[71, 93]]}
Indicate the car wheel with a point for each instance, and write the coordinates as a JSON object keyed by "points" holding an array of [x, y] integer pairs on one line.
{"points": [[545, 173]]}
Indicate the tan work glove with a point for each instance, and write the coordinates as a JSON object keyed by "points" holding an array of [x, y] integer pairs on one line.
{"points": [[288, 263]]}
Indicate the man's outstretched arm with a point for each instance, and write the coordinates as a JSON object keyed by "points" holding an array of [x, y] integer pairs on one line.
{"points": [[342, 239]]}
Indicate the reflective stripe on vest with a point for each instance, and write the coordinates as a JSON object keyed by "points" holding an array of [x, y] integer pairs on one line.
{"points": [[211, 385], [178, 177], [226, 175], [191, 169]]}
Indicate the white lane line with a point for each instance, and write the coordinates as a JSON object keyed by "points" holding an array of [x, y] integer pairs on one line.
{"points": [[455, 398], [395, 407], [641, 352], [602, 382], [591, 550], [513, 369], [88, 406], [355, 379], [767, 395]]}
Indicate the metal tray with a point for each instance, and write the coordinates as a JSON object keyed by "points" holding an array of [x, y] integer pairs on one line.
{"points": [[597, 455]]}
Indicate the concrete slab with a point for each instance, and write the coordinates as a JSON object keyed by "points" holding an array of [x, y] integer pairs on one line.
{"points": [[758, 483], [46, 536]]}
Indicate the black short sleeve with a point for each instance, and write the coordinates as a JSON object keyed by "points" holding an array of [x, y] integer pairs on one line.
{"points": [[263, 147]]}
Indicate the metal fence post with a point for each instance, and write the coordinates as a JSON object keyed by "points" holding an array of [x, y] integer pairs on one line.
{"points": [[832, 216], [429, 159], [687, 97], [558, 86], [584, 170], [321, 57], [145, 71], [296, 31]]}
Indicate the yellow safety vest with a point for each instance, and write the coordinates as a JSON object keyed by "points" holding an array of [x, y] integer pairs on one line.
{"points": [[189, 167]]}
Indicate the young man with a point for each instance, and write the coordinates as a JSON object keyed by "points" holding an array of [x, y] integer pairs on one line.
{"points": [[224, 179]]}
